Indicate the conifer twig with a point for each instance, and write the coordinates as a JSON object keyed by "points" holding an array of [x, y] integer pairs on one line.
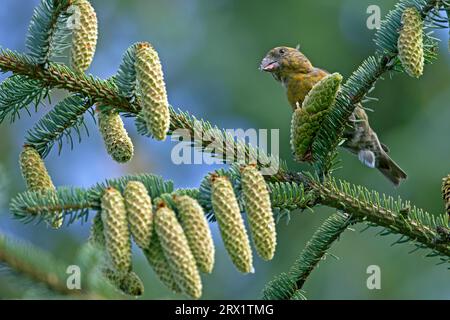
{"points": [[286, 286], [417, 225], [363, 204], [39, 266]]}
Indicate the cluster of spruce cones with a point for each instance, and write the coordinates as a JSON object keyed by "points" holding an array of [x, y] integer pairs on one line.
{"points": [[176, 241], [230, 221], [173, 232], [174, 235], [149, 79], [146, 75]]}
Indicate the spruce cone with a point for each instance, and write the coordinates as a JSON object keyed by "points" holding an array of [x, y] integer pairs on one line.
{"points": [[127, 282], [198, 234], [231, 224], [410, 43], [97, 236], [84, 39], [150, 78], [155, 257], [34, 171], [259, 211], [117, 234], [117, 142], [140, 212], [177, 252], [307, 120], [37, 178]]}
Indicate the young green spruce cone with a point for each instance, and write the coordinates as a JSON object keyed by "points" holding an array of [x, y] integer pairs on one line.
{"points": [[307, 120], [85, 32], [177, 252], [127, 282], [446, 193], [155, 257], [117, 234], [97, 236], [34, 171], [117, 142], [140, 212], [231, 225], [259, 211], [37, 178], [410, 42], [198, 234], [150, 78]]}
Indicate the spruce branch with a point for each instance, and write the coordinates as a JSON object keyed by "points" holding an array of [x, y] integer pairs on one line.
{"points": [[317, 247], [59, 76], [105, 92], [282, 287], [289, 196], [65, 118], [210, 139], [288, 286], [126, 75], [387, 36], [298, 295], [13, 256], [48, 32], [397, 217], [30, 262], [17, 93], [75, 203]]}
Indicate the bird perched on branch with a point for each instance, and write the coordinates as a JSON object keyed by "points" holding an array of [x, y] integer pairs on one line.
{"points": [[296, 73]]}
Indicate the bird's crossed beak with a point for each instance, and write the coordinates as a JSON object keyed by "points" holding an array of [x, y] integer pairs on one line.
{"points": [[269, 65]]}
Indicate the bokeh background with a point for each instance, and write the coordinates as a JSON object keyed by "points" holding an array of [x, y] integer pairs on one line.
{"points": [[210, 51]]}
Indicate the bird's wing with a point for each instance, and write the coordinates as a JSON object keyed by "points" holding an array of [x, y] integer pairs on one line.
{"points": [[385, 147], [367, 157]]}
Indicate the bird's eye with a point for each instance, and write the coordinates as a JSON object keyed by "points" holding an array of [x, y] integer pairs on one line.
{"points": [[282, 51]]}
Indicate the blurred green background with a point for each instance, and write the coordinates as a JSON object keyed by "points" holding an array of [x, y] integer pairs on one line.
{"points": [[210, 52]]}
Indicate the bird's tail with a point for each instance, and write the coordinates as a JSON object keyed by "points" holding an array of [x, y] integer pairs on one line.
{"points": [[390, 169]]}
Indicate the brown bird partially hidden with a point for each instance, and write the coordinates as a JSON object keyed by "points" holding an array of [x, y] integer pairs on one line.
{"points": [[296, 73]]}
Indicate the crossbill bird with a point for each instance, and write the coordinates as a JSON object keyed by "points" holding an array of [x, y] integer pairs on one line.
{"points": [[296, 73]]}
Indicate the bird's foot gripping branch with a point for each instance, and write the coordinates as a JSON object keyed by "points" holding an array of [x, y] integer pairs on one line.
{"points": [[170, 225]]}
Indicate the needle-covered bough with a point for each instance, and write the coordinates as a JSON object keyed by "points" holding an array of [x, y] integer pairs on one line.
{"points": [[168, 224]]}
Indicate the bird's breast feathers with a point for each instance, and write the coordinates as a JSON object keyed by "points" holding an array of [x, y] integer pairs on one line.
{"points": [[299, 84]]}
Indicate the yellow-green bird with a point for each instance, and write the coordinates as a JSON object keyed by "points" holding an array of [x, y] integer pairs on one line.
{"points": [[295, 72]]}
